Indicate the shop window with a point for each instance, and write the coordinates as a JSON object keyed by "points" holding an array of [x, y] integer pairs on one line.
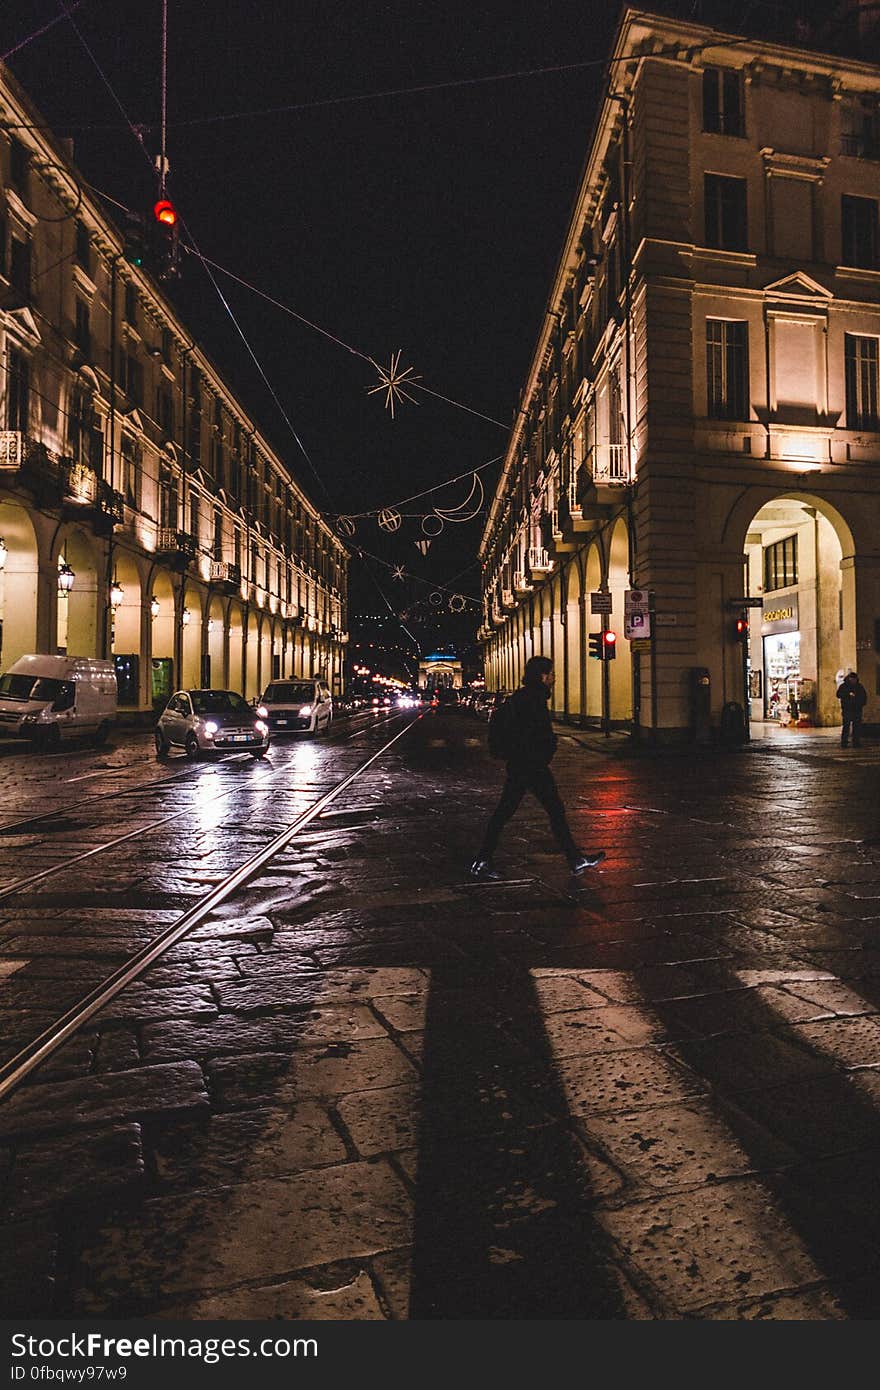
{"points": [[722, 102], [859, 240], [861, 362], [780, 564], [725, 208], [727, 369]]}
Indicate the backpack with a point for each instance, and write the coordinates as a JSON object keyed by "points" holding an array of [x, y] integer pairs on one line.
{"points": [[501, 730]]}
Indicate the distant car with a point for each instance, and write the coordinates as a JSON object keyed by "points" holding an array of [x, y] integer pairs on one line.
{"points": [[297, 707], [210, 721], [490, 700]]}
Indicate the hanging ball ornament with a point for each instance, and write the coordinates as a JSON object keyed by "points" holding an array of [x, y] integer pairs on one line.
{"points": [[345, 526], [436, 524], [436, 599], [389, 520]]}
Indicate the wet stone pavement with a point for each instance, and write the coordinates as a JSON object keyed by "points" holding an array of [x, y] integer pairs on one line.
{"points": [[367, 1087]]}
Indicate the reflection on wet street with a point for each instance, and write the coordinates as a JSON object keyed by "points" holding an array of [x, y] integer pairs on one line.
{"points": [[369, 1087]]}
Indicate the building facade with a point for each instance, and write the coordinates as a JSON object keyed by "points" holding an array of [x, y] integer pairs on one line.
{"points": [[701, 419], [143, 515]]}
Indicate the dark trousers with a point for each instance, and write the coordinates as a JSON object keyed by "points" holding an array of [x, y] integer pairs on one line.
{"points": [[852, 723], [540, 782]]}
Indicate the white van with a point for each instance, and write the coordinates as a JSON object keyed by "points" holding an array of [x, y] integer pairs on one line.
{"points": [[47, 698], [296, 706]]}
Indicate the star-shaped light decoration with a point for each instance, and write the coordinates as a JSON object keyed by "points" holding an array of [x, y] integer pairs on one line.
{"points": [[392, 380], [399, 573]]}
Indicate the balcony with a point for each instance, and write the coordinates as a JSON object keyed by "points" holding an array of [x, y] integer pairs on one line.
{"points": [[497, 615], [508, 601], [25, 461], [540, 564], [521, 582], [609, 464], [552, 531], [225, 576], [176, 547]]}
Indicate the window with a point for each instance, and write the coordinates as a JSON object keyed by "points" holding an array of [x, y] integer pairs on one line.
{"points": [[18, 165], [218, 534], [861, 382], [130, 304], [194, 515], [858, 217], [166, 346], [82, 331], [20, 267], [132, 470], [859, 130], [168, 499], [780, 564], [18, 391], [722, 102], [164, 411], [82, 248], [84, 432], [725, 204], [727, 369], [131, 377]]}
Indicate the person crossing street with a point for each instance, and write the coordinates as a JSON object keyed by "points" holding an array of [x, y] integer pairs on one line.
{"points": [[528, 746]]}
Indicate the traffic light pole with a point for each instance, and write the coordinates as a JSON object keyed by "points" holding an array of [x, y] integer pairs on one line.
{"points": [[606, 683]]}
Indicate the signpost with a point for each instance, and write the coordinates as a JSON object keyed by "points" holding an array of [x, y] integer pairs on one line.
{"points": [[636, 614], [600, 602]]}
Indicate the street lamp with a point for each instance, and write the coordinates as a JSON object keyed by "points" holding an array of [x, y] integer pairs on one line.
{"points": [[66, 576], [117, 593], [185, 617], [154, 607], [3, 553]]}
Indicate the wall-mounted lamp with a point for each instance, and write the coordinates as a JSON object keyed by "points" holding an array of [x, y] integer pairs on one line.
{"points": [[210, 624], [154, 608], [66, 576], [117, 593], [3, 553], [185, 617]]}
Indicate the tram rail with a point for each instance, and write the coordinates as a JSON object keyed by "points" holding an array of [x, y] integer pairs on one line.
{"points": [[34, 1054]]}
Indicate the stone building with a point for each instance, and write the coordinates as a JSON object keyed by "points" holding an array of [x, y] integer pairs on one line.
{"points": [[701, 418], [143, 514]]}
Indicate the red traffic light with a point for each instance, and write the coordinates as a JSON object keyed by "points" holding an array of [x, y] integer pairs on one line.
{"points": [[742, 627], [609, 638], [165, 212]]}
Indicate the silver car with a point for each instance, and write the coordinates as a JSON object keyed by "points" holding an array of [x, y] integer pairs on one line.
{"points": [[297, 706], [210, 721]]}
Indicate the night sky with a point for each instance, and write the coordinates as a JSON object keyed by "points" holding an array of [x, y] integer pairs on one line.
{"points": [[429, 222]]}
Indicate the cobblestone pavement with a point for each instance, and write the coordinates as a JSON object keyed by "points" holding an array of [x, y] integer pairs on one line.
{"points": [[368, 1087]]}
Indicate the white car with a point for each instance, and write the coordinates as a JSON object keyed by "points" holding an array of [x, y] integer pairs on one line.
{"points": [[297, 707]]}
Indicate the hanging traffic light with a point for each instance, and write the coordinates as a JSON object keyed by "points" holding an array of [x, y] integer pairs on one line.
{"points": [[741, 628], [134, 234], [165, 240], [609, 646], [595, 642]]}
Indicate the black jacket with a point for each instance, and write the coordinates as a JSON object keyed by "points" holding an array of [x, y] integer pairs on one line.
{"points": [[852, 699], [534, 741]]}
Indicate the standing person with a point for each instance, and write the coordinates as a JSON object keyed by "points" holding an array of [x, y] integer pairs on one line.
{"points": [[529, 746], [852, 696]]}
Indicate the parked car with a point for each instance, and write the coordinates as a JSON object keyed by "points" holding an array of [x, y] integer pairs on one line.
{"points": [[210, 721], [297, 707], [489, 700], [50, 698]]}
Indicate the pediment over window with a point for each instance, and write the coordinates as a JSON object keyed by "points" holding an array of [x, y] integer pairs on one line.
{"points": [[135, 419], [22, 324], [799, 284]]}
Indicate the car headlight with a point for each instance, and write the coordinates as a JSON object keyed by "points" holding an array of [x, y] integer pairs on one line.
{"points": [[261, 727], [262, 711], [209, 727], [306, 711]]}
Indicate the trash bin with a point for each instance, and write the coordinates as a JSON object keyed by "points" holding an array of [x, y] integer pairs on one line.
{"points": [[701, 702]]}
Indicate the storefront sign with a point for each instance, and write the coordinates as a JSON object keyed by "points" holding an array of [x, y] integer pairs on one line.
{"points": [[780, 616]]}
